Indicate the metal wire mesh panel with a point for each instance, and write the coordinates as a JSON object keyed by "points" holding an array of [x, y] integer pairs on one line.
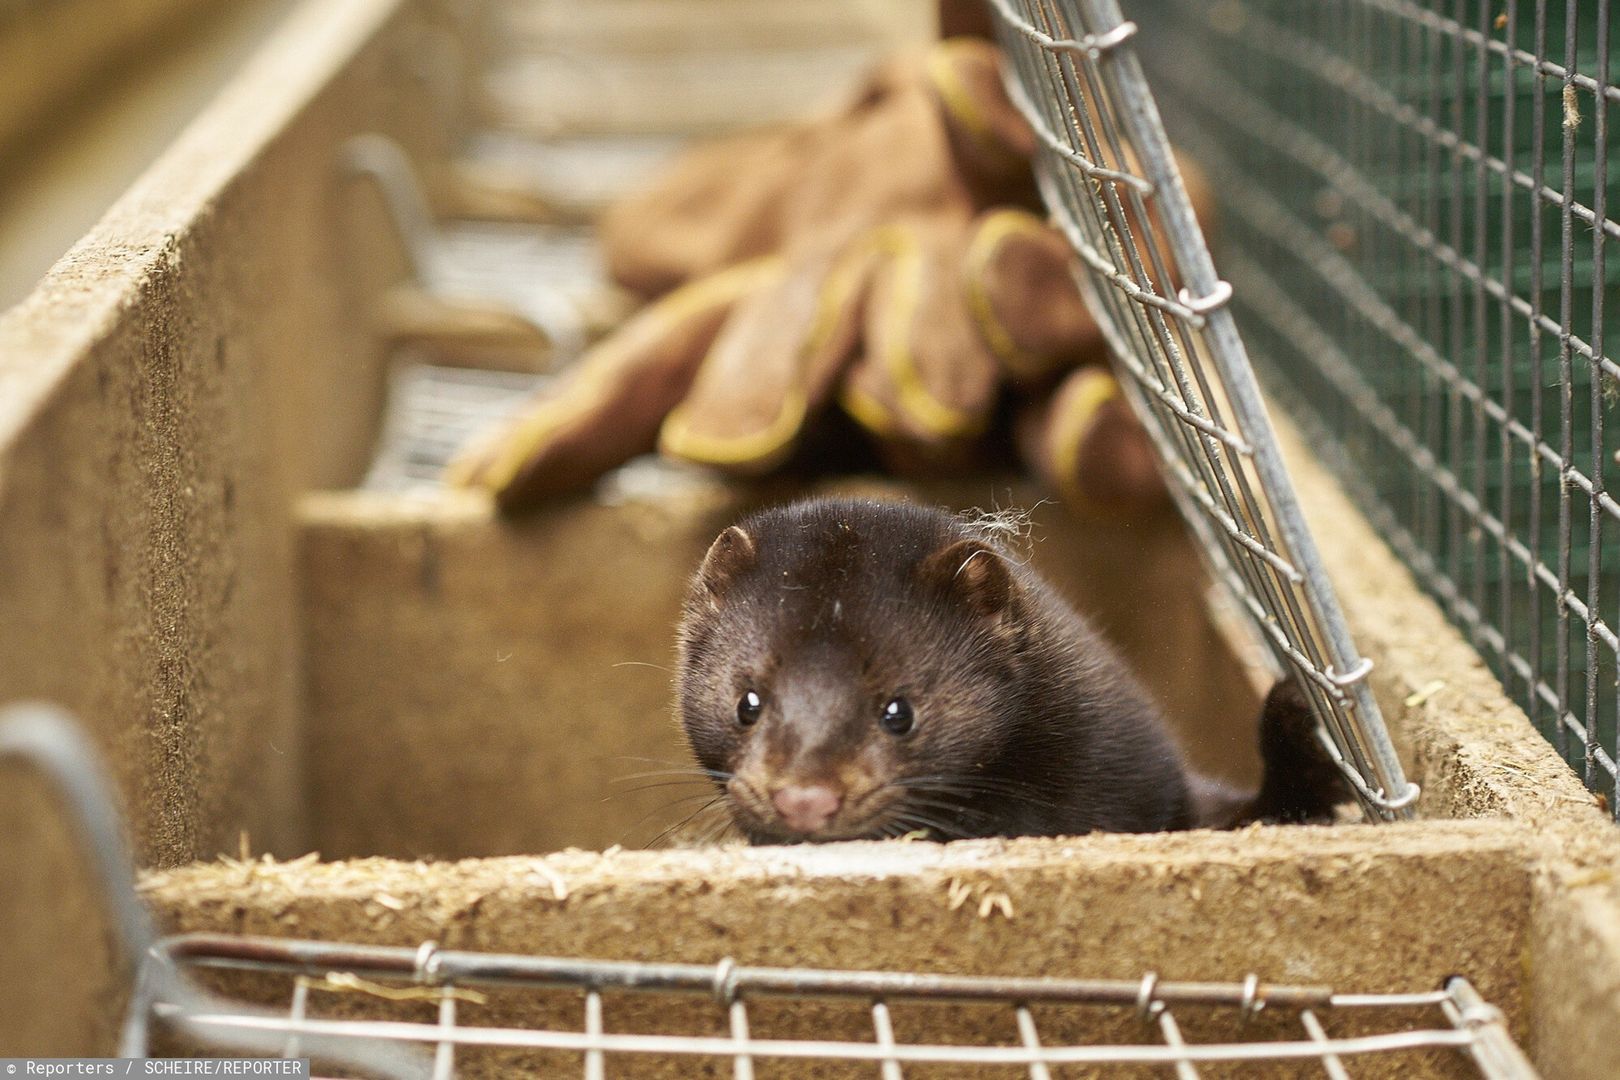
{"points": [[1419, 199], [447, 1002], [432, 412], [1108, 176]]}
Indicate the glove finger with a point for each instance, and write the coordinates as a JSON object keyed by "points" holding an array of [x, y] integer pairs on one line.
{"points": [[746, 195], [607, 410], [1018, 275], [991, 139], [1088, 446], [924, 375], [776, 361], [714, 206], [944, 113]]}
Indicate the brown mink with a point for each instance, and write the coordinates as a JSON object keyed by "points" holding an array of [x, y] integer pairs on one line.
{"points": [[862, 669]]}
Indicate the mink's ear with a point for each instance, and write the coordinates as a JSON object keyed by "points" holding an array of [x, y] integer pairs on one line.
{"points": [[731, 555], [973, 572]]}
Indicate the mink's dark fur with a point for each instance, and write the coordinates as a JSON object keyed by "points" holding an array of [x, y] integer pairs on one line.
{"points": [[1023, 720]]}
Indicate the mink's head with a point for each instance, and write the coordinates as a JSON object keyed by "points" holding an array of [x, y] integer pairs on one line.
{"points": [[850, 669]]}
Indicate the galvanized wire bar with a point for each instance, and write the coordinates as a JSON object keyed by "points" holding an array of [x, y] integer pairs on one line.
{"points": [[1185, 1070], [541, 273], [742, 1064], [1030, 1037], [883, 1026], [297, 1012], [444, 1055], [1112, 185], [1330, 1061], [1493, 1050], [1432, 182], [727, 981], [49, 741], [1460, 1021], [595, 1063]]}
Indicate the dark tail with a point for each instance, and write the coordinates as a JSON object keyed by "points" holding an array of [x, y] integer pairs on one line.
{"points": [[1299, 783]]}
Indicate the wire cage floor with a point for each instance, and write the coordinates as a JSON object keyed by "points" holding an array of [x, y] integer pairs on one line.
{"points": [[435, 999]]}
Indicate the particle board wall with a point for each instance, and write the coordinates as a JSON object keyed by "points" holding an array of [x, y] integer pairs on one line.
{"points": [[57, 181], [484, 687], [200, 357], [1354, 907]]}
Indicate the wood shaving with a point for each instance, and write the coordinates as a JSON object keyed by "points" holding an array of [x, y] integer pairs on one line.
{"points": [[990, 901], [339, 982], [1421, 696], [995, 901], [559, 887]]}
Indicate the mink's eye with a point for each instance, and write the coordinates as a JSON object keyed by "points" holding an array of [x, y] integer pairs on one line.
{"points": [[749, 706], [897, 716]]}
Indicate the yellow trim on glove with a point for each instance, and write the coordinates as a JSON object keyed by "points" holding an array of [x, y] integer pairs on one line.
{"points": [[899, 244], [996, 227], [759, 449], [868, 411], [1097, 388], [496, 468], [837, 291], [959, 102]]}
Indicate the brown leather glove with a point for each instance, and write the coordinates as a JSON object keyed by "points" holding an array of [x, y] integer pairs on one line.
{"points": [[1084, 441], [859, 258], [609, 407], [927, 132], [913, 327]]}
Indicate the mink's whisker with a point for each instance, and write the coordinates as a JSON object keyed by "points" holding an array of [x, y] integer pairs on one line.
{"points": [[712, 774], [682, 823], [622, 792]]}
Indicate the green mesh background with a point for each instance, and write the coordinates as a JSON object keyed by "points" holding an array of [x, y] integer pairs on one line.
{"points": [[1417, 205]]}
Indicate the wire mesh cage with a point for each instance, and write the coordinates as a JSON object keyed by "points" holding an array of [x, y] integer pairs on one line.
{"points": [[444, 1000], [1110, 180], [1419, 200], [433, 411]]}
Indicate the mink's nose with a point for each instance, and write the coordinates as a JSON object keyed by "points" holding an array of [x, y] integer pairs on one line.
{"points": [[807, 809]]}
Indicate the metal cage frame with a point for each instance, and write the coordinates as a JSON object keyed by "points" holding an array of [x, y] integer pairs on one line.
{"points": [[445, 983], [1421, 203], [1111, 182]]}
